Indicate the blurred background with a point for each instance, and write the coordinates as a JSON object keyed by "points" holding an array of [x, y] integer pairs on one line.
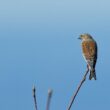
{"points": [[39, 46]]}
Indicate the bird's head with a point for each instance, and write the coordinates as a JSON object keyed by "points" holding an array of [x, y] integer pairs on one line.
{"points": [[85, 37]]}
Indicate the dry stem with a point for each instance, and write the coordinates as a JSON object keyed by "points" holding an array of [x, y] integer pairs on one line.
{"points": [[49, 99], [77, 90], [34, 96]]}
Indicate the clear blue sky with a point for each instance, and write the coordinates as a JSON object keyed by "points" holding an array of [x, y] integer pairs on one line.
{"points": [[39, 45]]}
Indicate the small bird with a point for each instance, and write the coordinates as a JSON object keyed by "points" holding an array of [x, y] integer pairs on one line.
{"points": [[89, 50]]}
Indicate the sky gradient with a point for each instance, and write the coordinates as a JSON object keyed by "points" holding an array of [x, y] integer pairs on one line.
{"points": [[39, 46]]}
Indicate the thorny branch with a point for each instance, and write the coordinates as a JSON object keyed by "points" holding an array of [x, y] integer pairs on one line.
{"points": [[78, 88]]}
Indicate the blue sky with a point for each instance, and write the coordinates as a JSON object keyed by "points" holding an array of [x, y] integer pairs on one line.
{"points": [[39, 45]]}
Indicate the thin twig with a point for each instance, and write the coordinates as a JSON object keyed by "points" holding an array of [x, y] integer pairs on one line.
{"points": [[77, 90], [49, 99], [34, 96]]}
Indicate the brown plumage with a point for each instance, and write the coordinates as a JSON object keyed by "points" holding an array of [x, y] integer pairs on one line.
{"points": [[89, 50]]}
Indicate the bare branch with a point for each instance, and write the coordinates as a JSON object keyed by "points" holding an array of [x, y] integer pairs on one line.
{"points": [[34, 96], [49, 99], [78, 88]]}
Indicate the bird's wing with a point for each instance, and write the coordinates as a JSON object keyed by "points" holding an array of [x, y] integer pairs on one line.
{"points": [[89, 49]]}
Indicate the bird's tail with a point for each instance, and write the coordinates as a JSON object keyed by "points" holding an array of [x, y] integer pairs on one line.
{"points": [[92, 74]]}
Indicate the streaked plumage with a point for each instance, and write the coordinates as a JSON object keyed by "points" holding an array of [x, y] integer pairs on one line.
{"points": [[89, 50]]}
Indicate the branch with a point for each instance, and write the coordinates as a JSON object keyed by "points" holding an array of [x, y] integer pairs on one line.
{"points": [[34, 96], [49, 99], [78, 88]]}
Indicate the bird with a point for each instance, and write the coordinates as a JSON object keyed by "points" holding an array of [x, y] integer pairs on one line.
{"points": [[89, 51]]}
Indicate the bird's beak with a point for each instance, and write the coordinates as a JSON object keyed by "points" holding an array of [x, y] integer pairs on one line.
{"points": [[79, 37]]}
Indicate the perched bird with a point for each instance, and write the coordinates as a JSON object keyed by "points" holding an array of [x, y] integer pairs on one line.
{"points": [[89, 50]]}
